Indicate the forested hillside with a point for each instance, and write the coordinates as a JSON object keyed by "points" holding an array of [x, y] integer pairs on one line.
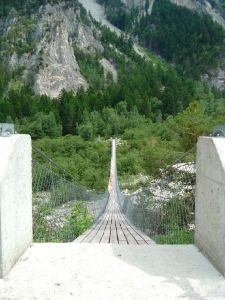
{"points": [[158, 106], [182, 36], [25, 7]]}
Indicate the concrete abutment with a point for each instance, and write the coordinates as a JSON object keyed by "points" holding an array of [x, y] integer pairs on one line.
{"points": [[210, 200], [15, 200]]}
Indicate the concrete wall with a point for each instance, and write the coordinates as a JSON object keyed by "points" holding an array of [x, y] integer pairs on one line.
{"points": [[210, 200], [15, 199]]}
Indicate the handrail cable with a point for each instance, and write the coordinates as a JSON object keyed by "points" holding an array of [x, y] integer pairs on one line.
{"points": [[175, 162], [64, 171]]}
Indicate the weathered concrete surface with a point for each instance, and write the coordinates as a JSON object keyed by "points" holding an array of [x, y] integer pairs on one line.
{"points": [[15, 200], [210, 200], [112, 272]]}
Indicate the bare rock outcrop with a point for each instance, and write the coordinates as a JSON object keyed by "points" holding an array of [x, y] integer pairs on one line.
{"points": [[108, 67], [215, 79], [52, 64], [58, 69]]}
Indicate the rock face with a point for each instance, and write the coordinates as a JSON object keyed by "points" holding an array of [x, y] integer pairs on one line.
{"points": [[108, 67], [61, 70], [215, 79], [52, 63]]}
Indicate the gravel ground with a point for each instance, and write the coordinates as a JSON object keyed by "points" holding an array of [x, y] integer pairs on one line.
{"points": [[104, 271]]}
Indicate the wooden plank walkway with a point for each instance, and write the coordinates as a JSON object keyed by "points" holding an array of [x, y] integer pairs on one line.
{"points": [[113, 227]]}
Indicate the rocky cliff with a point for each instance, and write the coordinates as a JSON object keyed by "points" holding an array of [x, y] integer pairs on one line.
{"points": [[59, 68], [51, 62]]}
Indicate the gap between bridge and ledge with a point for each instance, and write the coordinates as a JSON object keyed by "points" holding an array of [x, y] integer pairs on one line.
{"points": [[113, 227]]}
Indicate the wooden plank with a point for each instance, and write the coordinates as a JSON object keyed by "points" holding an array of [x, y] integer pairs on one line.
{"points": [[87, 236], [142, 242], [140, 236], [92, 235], [145, 237], [97, 238], [113, 227], [106, 234], [113, 224], [113, 236], [120, 234], [105, 238], [133, 231], [100, 231], [130, 238]]}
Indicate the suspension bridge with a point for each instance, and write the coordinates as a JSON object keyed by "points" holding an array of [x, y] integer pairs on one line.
{"points": [[119, 256], [162, 212], [113, 226]]}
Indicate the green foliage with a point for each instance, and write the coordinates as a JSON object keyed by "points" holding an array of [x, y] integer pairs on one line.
{"points": [[176, 212], [168, 221], [86, 131], [175, 217], [159, 153], [89, 162], [118, 15], [128, 162], [19, 37], [90, 68], [144, 89], [147, 5], [150, 106], [80, 219], [183, 36], [65, 228], [27, 7], [180, 35], [176, 236], [156, 108], [190, 124], [42, 125], [84, 16], [5, 77]]}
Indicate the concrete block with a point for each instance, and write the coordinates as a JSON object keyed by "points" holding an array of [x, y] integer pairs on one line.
{"points": [[15, 199], [210, 200]]}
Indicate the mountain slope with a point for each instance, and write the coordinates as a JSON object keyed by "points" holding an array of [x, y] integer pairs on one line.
{"points": [[214, 9], [186, 37], [42, 46]]}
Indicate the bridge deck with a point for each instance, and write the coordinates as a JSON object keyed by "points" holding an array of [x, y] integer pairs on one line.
{"points": [[114, 228]]}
